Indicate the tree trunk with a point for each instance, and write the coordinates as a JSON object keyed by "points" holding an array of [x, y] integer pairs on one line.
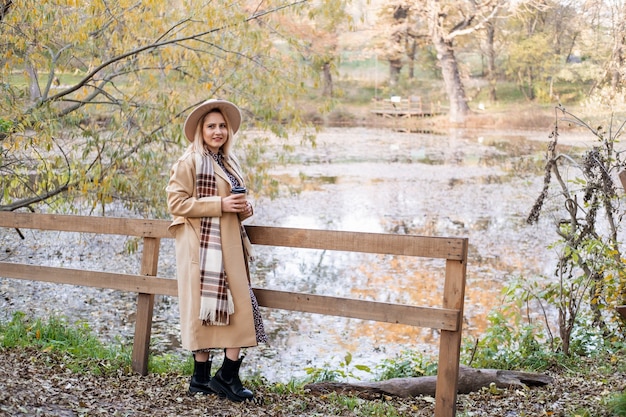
{"points": [[491, 61], [411, 52], [531, 84], [395, 66], [328, 80], [449, 68], [470, 380], [618, 57], [452, 80], [33, 82], [525, 82]]}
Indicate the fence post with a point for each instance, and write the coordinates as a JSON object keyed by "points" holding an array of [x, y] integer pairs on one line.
{"points": [[450, 341], [145, 307]]}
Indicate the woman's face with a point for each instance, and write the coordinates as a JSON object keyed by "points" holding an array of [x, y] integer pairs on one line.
{"points": [[214, 131]]}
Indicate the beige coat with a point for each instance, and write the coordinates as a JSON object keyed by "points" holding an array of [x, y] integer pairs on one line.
{"points": [[187, 210]]}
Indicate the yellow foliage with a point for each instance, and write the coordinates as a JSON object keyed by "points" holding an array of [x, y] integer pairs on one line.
{"points": [[123, 73]]}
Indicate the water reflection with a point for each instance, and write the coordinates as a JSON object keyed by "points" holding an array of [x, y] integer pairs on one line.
{"points": [[479, 185]]}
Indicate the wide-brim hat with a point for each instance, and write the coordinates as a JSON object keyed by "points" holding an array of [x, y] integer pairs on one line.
{"points": [[230, 111]]}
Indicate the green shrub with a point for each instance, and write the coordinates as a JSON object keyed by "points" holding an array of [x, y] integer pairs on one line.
{"points": [[406, 364], [618, 405], [5, 125], [346, 370], [508, 344]]}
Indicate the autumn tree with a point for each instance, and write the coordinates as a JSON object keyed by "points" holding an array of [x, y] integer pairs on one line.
{"points": [[617, 62], [489, 42], [399, 37], [93, 94], [446, 21], [540, 39], [608, 17], [317, 29]]}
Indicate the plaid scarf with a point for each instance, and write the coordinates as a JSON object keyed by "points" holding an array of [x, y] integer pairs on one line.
{"points": [[216, 301]]}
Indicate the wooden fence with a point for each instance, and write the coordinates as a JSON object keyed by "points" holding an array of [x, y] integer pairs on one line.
{"points": [[400, 107], [448, 318]]}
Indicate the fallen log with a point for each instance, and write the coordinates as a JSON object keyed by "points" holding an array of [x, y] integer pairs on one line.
{"points": [[470, 380]]}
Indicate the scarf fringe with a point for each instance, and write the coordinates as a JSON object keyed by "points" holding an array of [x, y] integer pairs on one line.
{"points": [[211, 317]]}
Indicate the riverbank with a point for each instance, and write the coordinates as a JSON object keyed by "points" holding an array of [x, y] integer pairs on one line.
{"points": [[35, 383], [515, 116]]}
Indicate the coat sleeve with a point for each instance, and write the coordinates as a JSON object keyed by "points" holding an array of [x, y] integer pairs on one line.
{"points": [[181, 199]]}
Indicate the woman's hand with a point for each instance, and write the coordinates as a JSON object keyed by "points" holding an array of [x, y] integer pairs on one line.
{"points": [[236, 203]]}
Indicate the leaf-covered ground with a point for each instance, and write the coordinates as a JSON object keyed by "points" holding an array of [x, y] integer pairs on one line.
{"points": [[34, 383]]}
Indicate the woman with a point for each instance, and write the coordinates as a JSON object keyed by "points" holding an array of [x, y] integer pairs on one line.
{"points": [[217, 306]]}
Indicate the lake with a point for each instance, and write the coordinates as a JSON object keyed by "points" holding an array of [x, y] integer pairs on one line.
{"points": [[477, 184]]}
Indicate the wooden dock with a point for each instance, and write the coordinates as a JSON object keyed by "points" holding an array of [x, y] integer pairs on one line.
{"points": [[398, 107]]}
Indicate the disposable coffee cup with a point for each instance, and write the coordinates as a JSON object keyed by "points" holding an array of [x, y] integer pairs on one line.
{"points": [[238, 190]]}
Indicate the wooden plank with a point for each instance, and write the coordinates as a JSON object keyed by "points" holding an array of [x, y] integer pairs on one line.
{"points": [[107, 280], [143, 331], [428, 317], [86, 224], [408, 245], [145, 308], [450, 342], [436, 318]]}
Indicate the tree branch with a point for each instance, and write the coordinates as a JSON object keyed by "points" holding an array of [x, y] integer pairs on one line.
{"points": [[4, 10], [157, 45], [463, 28]]}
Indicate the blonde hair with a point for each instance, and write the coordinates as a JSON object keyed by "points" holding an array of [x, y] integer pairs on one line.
{"points": [[198, 140]]}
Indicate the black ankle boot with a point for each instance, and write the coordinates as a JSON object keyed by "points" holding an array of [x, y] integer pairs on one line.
{"points": [[226, 381], [199, 383]]}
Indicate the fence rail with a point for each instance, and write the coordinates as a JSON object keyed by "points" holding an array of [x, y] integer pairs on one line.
{"points": [[448, 317], [400, 107]]}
